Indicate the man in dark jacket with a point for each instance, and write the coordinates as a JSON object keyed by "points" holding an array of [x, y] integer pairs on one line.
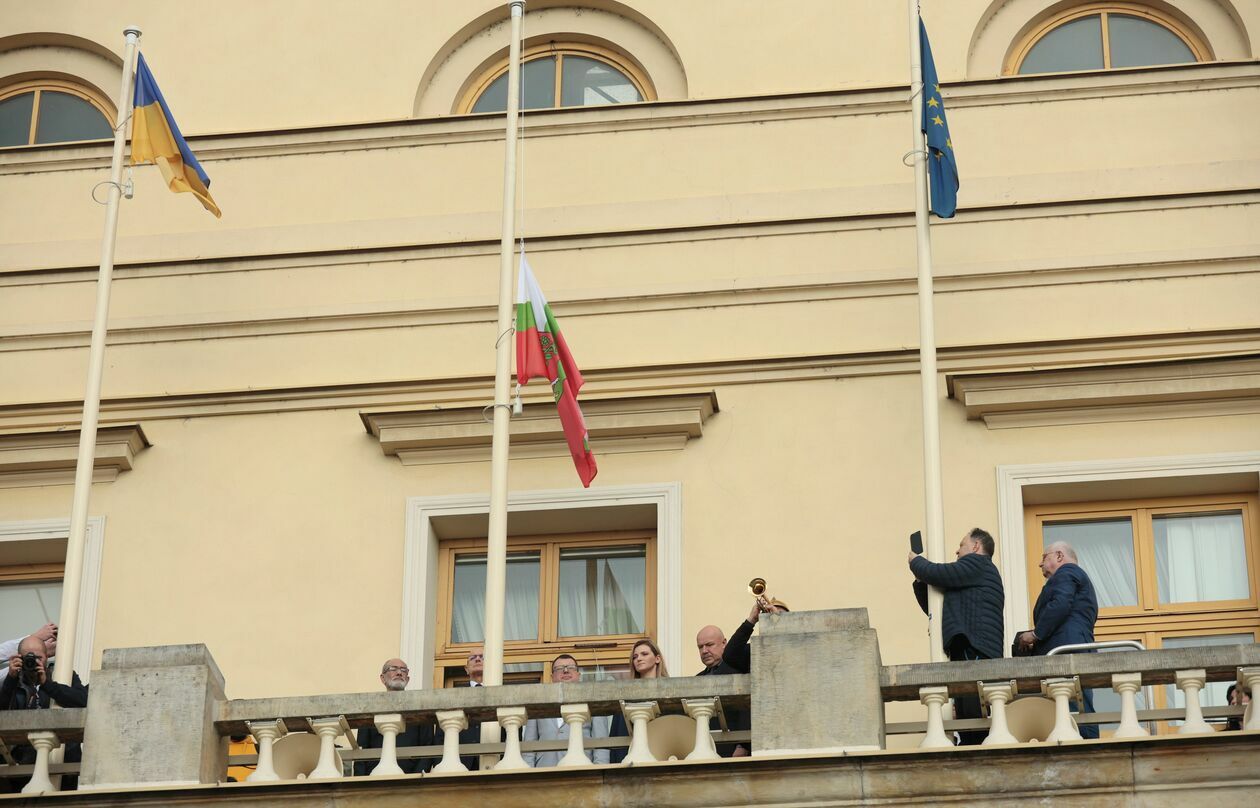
{"points": [[395, 676], [711, 642], [971, 622], [36, 690], [1065, 611]]}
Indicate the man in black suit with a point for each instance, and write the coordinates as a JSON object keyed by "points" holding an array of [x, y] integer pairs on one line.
{"points": [[475, 668], [711, 643], [36, 690], [1065, 611], [395, 676], [971, 622]]}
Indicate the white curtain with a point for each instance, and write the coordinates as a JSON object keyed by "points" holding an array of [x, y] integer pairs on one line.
{"points": [[1104, 550], [468, 614], [1200, 558], [602, 594]]}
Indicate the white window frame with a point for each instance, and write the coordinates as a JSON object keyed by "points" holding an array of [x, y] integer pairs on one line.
{"points": [[420, 558], [89, 594], [1011, 481]]}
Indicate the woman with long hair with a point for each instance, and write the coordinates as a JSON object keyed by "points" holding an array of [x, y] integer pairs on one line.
{"points": [[646, 662]]}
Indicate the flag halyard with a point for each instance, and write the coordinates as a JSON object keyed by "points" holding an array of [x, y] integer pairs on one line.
{"points": [[541, 352]]}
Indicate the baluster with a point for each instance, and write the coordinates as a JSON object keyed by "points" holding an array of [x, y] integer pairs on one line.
{"points": [[1191, 682], [265, 734], [996, 696], [576, 716], [327, 729], [43, 741], [389, 726], [702, 710], [452, 723], [512, 718], [1251, 678], [1127, 685], [638, 714], [935, 699], [1062, 691]]}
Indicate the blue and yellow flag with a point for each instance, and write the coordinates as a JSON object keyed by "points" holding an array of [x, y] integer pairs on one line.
{"points": [[155, 138], [942, 168]]}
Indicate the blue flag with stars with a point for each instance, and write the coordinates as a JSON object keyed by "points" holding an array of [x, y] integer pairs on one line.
{"points": [[942, 169]]}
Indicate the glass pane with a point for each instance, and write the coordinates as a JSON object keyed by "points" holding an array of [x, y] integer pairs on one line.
{"points": [[603, 591], [26, 607], [591, 83], [65, 117], [15, 119], [538, 88], [1213, 694], [1200, 557], [1104, 549], [1136, 41], [1076, 45], [468, 609]]}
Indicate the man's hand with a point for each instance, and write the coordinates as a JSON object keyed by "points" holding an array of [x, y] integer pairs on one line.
{"points": [[755, 614], [47, 633], [911, 557], [1027, 640], [740, 751], [15, 666]]}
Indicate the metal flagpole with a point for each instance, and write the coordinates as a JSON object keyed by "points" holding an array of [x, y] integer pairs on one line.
{"points": [[934, 511], [496, 554], [68, 627]]}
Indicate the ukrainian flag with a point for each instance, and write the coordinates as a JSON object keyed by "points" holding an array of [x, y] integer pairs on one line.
{"points": [[155, 138]]}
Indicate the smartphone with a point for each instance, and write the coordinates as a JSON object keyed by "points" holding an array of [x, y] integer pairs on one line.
{"points": [[916, 542]]}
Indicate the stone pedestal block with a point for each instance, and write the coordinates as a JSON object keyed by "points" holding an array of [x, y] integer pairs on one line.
{"points": [[151, 717], [815, 678]]}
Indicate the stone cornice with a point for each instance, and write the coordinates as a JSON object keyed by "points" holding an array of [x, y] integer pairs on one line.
{"points": [[1111, 393], [458, 435], [48, 457]]}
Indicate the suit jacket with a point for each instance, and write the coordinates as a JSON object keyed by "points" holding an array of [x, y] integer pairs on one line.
{"points": [[1066, 610], [974, 599], [545, 729], [738, 653], [413, 735], [470, 735]]}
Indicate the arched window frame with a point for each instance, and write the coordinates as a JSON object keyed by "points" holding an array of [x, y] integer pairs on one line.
{"points": [[38, 86], [560, 49], [1198, 47]]}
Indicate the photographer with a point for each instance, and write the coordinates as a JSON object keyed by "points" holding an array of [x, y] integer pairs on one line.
{"points": [[9, 648], [29, 686]]}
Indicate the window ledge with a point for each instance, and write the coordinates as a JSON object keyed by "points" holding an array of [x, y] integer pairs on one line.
{"points": [[48, 458], [1198, 388], [642, 424]]}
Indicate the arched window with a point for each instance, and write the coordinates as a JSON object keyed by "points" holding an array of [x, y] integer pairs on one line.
{"points": [[1100, 36], [562, 75], [45, 111]]}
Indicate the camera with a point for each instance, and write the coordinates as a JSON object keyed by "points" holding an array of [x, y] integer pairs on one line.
{"points": [[30, 669]]}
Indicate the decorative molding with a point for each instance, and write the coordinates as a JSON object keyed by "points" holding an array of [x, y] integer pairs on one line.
{"points": [[1157, 390], [89, 594], [48, 458], [1012, 557], [462, 435], [422, 534]]}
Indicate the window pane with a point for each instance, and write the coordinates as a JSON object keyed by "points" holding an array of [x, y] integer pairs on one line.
{"points": [[15, 119], [1200, 557], [26, 607], [1076, 45], [538, 88], [1213, 694], [603, 591], [468, 609], [65, 117], [1136, 41], [589, 83], [1104, 549]]}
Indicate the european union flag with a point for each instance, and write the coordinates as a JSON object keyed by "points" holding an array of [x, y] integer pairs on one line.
{"points": [[942, 168], [155, 138]]}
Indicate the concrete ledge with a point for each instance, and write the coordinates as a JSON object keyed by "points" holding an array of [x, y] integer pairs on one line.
{"points": [[68, 724]]}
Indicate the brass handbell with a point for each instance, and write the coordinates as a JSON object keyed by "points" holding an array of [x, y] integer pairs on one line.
{"points": [[757, 588]]}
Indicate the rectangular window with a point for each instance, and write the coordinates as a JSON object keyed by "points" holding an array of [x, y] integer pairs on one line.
{"points": [[588, 595], [30, 596]]}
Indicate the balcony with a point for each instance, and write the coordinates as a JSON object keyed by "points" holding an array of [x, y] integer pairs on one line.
{"points": [[156, 730]]}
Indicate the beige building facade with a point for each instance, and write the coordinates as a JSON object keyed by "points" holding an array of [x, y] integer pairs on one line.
{"points": [[293, 467]]}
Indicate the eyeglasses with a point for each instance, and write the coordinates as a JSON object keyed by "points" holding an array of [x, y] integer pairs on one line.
{"points": [[397, 669], [565, 669]]}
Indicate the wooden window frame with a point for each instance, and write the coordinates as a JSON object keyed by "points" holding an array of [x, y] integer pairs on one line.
{"points": [[597, 649], [608, 56], [38, 87], [32, 573], [1198, 47]]}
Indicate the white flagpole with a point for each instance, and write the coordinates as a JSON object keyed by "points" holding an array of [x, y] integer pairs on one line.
{"points": [[496, 553], [934, 511], [68, 626]]}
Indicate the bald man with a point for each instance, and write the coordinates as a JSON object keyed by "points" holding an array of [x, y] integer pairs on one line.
{"points": [[711, 642]]}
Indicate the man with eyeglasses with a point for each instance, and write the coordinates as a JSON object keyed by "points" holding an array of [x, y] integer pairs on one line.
{"points": [[564, 669], [395, 676]]}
